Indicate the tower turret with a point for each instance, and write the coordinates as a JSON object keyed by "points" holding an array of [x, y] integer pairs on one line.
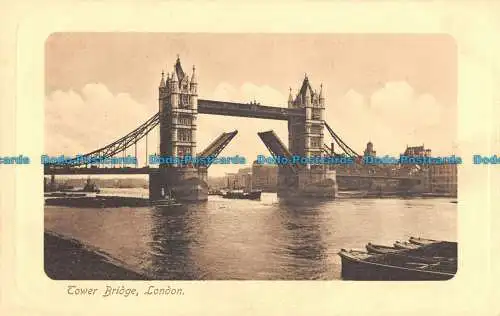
{"points": [[174, 90], [307, 97], [174, 77], [162, 92], [290, 98], [162, 81], [194, 81]]}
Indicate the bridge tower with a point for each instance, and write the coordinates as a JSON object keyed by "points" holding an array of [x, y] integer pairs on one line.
{"points": [[305, 135], [305, 139], [178, 107]]}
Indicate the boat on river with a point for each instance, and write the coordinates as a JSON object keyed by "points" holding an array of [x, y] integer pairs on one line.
{"points": [[435, 261], [405, 245], [167, 199], [241, 194], [90, 187], [422, 241], [215, 192], [380, 249]]}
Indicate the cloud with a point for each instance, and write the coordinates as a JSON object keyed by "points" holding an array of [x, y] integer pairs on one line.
{"points": [[78, 122], [392, 117]]}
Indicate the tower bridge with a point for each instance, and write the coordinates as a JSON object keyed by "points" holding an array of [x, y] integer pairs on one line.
{"points": [[176, 119]]}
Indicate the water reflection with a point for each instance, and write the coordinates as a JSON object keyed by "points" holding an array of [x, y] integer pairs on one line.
{"points": [[170, 244], [251, 240], [306, 247]]}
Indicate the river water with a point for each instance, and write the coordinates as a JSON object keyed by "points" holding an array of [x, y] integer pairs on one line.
{"points": [[250, 240]]}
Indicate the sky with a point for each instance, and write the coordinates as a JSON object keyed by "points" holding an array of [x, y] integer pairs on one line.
{"points": [[392, 90]]}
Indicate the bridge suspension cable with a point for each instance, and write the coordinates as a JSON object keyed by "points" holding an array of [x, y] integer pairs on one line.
{"points": [[119, 145], [345, 148]]}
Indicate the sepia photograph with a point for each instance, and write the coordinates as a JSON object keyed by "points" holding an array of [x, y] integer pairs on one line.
{"points": [[259, 156]]}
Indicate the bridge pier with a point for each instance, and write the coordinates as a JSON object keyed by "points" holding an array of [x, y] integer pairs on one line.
{"points": [[307, 183], [187, 184]]}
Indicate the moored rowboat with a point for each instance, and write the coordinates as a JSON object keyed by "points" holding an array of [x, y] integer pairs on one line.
{"points": [[405, 245], [422, 241], [404, 265], [380, 249]]}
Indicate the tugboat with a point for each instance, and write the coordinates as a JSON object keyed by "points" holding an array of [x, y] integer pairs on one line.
{"points": [[242, 194], [167, 200], [215, 192], [90, 187]]}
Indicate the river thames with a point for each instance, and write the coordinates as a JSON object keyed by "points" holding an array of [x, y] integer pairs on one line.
{"points": [[250, 240]]}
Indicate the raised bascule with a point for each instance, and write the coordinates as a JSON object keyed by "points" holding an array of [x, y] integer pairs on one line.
{"points": [[178, 110]]}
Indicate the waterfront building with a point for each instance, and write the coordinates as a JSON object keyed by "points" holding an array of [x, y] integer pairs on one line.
{"points": [[264, 177], [443, 179], [417, 151]]}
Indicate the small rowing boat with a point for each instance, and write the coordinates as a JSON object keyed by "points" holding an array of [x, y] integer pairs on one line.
{"points": [[380, 249], [405, 245], [422, 241]]}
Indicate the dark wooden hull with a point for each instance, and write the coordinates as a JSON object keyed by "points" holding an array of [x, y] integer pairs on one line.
{"points": [[379, 249], [362, 270], [254, 195], [405, 245], [422, 241]]}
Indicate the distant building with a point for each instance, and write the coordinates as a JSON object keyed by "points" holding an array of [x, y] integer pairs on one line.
{"points": [[231, 180], [440, 178], [243, 171], [264, 177], [369, 152], [417, 151], [443, 179]]}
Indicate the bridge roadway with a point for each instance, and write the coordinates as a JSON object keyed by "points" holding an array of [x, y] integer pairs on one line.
{"points": [[147, 170], [248, 110]]}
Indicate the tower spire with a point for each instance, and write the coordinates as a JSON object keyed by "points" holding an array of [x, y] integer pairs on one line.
{"points": [[193, 76], [290, 97], [174, 76], [162, 81]]}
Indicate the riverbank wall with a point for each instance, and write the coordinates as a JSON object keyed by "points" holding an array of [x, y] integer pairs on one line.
{"points": [[69, 259]]}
